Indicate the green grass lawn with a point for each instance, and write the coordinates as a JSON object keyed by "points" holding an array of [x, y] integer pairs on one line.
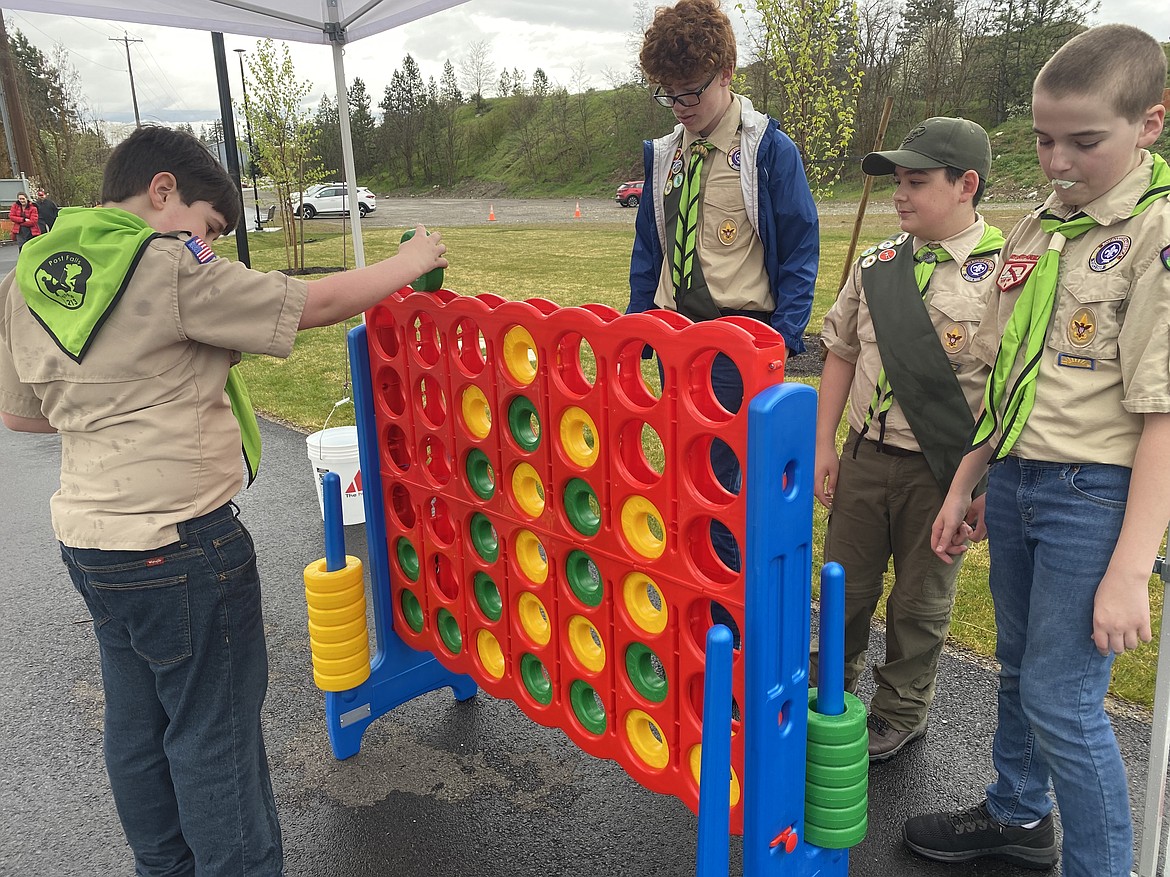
{"points": [[573, 265]]}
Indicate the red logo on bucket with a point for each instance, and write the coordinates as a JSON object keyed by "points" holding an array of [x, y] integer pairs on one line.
{"points": [[355, 486]]}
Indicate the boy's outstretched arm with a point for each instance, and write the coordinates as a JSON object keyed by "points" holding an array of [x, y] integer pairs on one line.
{"points": [[1121, 610], [836, 378], [951, 529], [341, 296]]}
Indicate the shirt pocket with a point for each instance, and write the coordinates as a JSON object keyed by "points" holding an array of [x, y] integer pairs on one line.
{"points": [[724, 225], [1087, 318], [956, 316]]}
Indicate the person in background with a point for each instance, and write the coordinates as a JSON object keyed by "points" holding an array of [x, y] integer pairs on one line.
{"points": [[46, 211], [23, 216]]}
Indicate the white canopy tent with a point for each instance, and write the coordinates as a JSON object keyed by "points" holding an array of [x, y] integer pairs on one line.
{"points": [[333, 22]]}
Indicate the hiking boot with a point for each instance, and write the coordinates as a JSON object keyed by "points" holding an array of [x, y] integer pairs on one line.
{"points": [[974, 834], [885, 742]]}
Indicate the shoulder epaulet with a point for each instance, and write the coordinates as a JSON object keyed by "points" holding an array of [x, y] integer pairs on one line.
{"points": [[878, 252]]}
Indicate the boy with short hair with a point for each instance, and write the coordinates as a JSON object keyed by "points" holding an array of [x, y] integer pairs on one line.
{"points": [[118, 331], [1077, 423], [727, 224], [897, 348]]}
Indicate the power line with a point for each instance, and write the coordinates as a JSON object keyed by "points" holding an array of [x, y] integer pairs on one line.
{"points": [[126, 40]]}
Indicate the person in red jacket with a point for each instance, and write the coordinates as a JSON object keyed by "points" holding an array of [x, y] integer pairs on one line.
{"points": [[24, 219]]}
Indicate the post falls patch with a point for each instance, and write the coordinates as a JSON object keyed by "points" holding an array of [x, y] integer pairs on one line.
{"points": [[62, 278]]}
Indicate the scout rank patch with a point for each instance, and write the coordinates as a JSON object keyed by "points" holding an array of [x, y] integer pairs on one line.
{"points": [[1082, 328], [1016, 270], [975, 270], [1110, 252], [1166, 257], [954, 337], [728, 232], [203, 253]]}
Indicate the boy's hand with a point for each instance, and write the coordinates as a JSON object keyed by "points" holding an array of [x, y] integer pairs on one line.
{"points": [[1121, 612], [974, 518], [825, 468], [424, 250], [949, 535]]}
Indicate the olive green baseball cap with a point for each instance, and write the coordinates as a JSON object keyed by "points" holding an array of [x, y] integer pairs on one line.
{"points": [[937, 142]]}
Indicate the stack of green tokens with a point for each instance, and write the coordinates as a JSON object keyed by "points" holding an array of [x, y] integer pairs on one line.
{"points": [[836, 797]]}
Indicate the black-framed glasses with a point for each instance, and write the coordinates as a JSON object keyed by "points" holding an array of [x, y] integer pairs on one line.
{"points": [[686, 99]]}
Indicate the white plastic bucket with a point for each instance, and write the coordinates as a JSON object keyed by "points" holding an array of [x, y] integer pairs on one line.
{"points": [[336, 450]]}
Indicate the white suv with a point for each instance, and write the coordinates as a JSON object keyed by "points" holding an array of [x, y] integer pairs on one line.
{"points": [[331, 198]]}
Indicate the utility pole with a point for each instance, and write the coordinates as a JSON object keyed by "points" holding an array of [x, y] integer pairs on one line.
{"points": [[125, 39], [15, 108]]}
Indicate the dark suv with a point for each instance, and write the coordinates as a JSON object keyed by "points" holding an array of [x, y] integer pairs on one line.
{"points": [[629, 194]]}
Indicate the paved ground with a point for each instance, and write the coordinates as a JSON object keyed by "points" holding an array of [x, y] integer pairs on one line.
{"points": [[465, 790]]}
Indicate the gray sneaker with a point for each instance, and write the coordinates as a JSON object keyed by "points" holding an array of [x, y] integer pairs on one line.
{"points": [[885, 742], [974, 834]]}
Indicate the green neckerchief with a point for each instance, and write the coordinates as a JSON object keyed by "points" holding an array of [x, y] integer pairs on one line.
{"points": [[686, 230], [926, 259], [1029, 323], [73, 279]]}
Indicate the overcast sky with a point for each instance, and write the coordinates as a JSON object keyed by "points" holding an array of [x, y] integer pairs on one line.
{"points": [[175, 79]]}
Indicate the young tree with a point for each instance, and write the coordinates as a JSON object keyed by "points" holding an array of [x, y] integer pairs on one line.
{"points": [[282, 133], [325, 137], [475, 69], [812, 57], [362, 128], [450, 99], [402, 114]]}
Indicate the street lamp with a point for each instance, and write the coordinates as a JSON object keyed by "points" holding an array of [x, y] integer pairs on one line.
{"points": [[251, 145]]}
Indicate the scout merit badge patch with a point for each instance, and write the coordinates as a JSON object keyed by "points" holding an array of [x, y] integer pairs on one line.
{"points": [[1110, 252], [203, 253], [62, 278], [1016, 270]]}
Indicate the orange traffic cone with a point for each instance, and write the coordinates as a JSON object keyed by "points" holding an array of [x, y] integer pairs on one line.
{"points": [[577, 212], [491, 213]]}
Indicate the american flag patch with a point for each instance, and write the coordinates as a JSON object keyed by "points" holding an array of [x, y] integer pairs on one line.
{"points": [[203, 253]]}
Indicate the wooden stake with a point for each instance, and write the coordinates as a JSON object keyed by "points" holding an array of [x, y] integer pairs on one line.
{"points": [[877, 145]]}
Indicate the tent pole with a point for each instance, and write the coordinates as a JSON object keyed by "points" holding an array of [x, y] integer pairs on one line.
{"points": [[355, 215], [230, 143]]}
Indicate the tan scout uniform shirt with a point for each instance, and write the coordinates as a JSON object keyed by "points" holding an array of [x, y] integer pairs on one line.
{"points": [[1105, 359], [148, 439], [955, 298], [730, 253]]}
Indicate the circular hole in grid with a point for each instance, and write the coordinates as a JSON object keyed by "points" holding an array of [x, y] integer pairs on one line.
{"points": [[439, 520], [430, 402], [640, 452], [702, 615], [390, 391], [637, 378], [385, 334], [443, 576], [519, 355], [401, 508], [695, 701], [436, 461], [700, 546], [579, 439], [470, 347], [397, 448], [475, 411], [426, 339], [576, 369], [702, 457], [584, 578], [695, 760], [481, 475], [699, 387]]}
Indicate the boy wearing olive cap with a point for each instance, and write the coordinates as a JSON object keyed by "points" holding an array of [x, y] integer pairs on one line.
{"points": [[897, 349]]}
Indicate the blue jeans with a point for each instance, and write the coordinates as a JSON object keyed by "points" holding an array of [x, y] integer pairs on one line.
{"points": [[1052, 529], [185, 671]]}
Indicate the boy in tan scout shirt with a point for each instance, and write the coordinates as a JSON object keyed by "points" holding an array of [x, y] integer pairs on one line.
{"points": [[897, 346], [1076, 423], [118, 331]]}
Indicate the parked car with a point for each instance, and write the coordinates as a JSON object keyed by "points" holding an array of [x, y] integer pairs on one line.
{"points": [[331, 198], [629, 194]]}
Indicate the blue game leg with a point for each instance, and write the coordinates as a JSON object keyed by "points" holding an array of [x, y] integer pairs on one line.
{"points": [[715, 759]]}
